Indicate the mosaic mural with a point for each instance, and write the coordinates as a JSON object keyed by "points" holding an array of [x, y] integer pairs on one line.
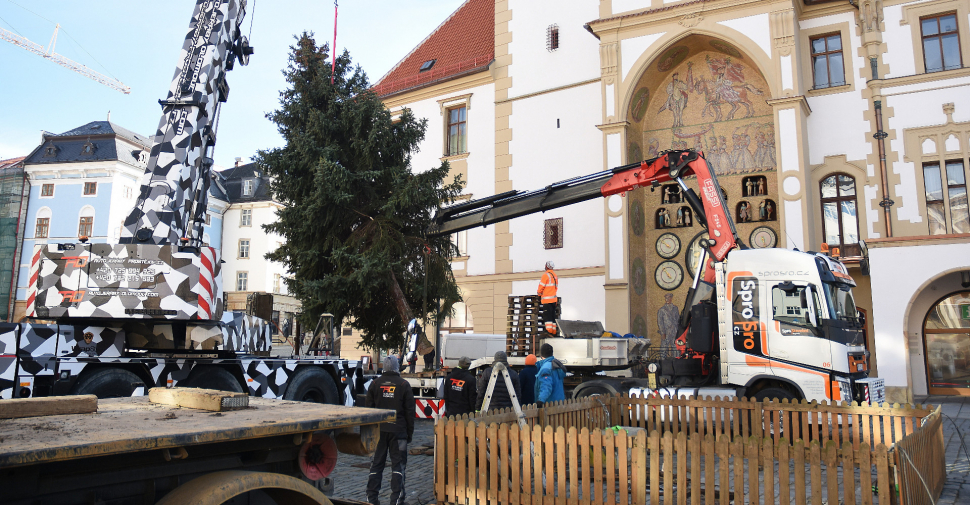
{"points": [[702, 93]]}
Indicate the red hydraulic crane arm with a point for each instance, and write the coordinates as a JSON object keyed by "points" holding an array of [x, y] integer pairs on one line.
{"points": [[710, 208]]}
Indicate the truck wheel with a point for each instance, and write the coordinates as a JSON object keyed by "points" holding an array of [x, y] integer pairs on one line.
{"points": [[212, 377], [593, 391], [312, 384], [773, 393], [107, 383]]}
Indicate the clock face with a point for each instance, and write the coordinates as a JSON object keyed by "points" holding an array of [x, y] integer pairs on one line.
{"points": [[668, 245], [694, 250], [763, 237], [669, 275]]}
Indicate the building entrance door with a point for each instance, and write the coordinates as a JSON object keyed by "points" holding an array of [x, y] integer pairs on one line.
{"points": [[946, 345]]}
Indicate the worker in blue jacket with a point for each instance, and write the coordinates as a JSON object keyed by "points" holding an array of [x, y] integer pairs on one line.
{"points": [[549, 380]]}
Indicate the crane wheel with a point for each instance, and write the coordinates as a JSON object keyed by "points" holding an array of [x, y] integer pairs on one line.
{"points": [[219, 487], [312, 384], [107, 383], [212, 377]]}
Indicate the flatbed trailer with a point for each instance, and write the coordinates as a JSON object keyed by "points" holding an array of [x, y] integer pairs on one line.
{"points": [[132, 451]]}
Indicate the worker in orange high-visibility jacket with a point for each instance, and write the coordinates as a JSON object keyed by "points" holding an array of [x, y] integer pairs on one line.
{"points": [[548, 289]]}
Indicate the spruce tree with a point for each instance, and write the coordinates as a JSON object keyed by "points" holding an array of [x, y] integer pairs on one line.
{"points": [[354, 213]]}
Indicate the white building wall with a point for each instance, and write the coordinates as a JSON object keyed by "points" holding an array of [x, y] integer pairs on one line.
{"points": [[836, 125], [261, 271], [533, 67], [900, 54], [544, 153], [579, 302]]}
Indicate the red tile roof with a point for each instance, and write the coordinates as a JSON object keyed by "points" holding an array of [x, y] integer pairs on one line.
{"points": [[463, 44], [12, 162]]}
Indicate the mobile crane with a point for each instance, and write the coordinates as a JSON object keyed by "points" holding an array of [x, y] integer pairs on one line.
{"points": [[762, 323], [116, 319]]}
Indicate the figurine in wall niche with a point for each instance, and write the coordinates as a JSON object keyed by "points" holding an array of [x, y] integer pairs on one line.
{"points": [[762, 212], [687, 219], [761, 186], [660, 219], [748, 187], [743, 212], [680, 217], [666, 219], [770, 211], [666, 195]]}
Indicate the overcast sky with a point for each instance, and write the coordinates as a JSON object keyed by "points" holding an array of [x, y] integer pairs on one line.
{"points": [[138, 43]]}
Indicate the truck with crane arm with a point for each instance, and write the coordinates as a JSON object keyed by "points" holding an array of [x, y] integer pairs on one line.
{"points": [[760, 323], [116, 319]]}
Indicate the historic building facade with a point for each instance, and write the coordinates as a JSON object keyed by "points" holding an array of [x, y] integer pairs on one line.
{"points": [[828, 122]]}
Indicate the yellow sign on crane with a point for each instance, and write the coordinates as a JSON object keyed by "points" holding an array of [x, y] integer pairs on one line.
{"points": [[61, 60]]}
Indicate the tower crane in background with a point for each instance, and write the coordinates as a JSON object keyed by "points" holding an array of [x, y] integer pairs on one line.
{"points": [[65, 62]]}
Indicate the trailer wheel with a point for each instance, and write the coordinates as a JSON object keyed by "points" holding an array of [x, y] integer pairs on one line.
{"points": [[213, 377], [107, 383], [220, 487], [312, 384]]}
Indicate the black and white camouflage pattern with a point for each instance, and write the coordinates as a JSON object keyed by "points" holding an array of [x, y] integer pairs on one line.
{"points": [[174, 189], [247, 334], [64, 350], [125, 281]]}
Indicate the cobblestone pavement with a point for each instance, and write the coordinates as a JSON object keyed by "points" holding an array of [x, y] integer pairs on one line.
{"points": [[350, 476], [956, 421]]}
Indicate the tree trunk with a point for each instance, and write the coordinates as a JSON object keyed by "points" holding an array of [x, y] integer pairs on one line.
{"points": [[397, 295]]}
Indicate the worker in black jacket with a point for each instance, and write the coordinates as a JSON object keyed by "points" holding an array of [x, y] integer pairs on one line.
{"points": [[390, 391], [460, 391], [500, 394]]}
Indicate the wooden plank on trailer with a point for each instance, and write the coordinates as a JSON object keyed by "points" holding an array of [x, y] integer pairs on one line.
{"points": [[48, 406], [848, 475], [831, 456], [609, 460], [768, 464], [586, 453], [863, 459], [596, 445], [800, 488], [815, 464], [201, 399]]}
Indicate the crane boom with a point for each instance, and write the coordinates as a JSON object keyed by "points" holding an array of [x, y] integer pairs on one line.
{"points": [[68, 63]]}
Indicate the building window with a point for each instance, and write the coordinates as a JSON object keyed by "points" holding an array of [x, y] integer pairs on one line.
{"points": [[42, 228], [242, 281], [244, 248], [840, 219], [47, 190], [84, 227], [277, 283], [827, 65], [246, 217], [248, 187], [460, 240], [552, 234], [90, 188], [208, 218], [427, 65], [941, 42], [946, 340], [457, 137], [954, 197], [552, 37], [129, 193], [88, 148]]}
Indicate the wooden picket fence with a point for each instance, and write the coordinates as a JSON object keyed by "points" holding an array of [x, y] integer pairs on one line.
{"points": [[623, 450]]}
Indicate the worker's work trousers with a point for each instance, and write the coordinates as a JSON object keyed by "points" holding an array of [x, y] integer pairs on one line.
{"points": [[395, 444], [549, 317]]}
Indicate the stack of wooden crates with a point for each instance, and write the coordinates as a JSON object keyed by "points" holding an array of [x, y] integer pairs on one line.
{"points": [[525, 325]]}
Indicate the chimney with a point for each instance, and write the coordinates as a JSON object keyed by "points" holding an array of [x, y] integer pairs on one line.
{"points": [[238, 161], [109, 115]]}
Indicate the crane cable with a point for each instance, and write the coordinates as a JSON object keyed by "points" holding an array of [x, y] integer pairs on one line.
{"points": [[333, 50]]}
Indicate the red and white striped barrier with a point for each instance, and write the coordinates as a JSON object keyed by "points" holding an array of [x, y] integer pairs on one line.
{"points": [[429, 408]]}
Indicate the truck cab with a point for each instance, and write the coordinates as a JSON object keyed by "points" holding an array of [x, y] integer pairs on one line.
{"points": [[793, 327]]}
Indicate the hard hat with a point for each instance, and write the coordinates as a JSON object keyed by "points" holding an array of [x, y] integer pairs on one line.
{"points": [[550, 265]]}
